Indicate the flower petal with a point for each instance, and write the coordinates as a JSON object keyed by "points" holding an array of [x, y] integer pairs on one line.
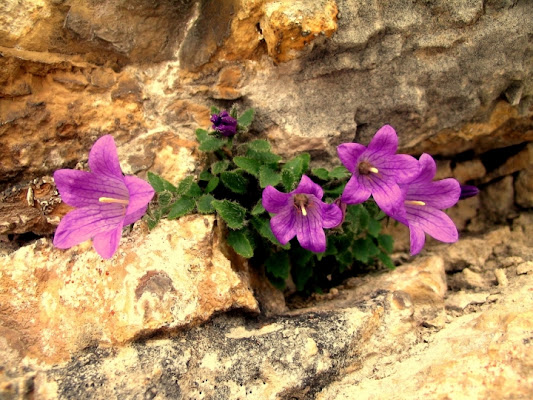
{"points": [[439, 194], [106, 243], [141, 192], [82, 188], [354, 192], [388, 197], [398, 167], [309, 231], [418, 239], [134, 216], [331, 215], [307, 186], [385, 140], [283, 225], [103, 157], [273, 200], [349, 153], [428, 169], [84, 223], [432, 221]]}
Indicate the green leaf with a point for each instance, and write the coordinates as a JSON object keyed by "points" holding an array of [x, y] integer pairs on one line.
{"points": [[339, 173], [363, 218], [267, 176], [164, 198], [374, 227], [259, 145], [212, 184], [187, 187], [240, 243], [264, 157], [205, 176], [336, 191], [387, 242], [302, 262], [262, 226], [258, 208], [152, 218], [373, 250], [386, 260], [201, 135], [203, 204], [215, 110], [230, 212], [234, 181], [246, 118], [288, 179], [159, 184], [321, 173], [219, 167], [250, 165], [360, 250], [278, 265], [212, 144], [181, 207]]}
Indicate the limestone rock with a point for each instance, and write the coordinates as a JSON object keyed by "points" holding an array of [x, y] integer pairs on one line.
{"points": [[523, 187], [55, 303]]}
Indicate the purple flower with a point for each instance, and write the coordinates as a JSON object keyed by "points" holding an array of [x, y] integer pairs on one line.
{"points": [[224, 123], [106, 200], [423, 200], [468, 191], [301, 213], [377, 170]]}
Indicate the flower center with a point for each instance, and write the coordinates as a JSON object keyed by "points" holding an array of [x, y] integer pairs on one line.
{"points": [[112, 200], [300, 202], [415, 202], [366, 168]]}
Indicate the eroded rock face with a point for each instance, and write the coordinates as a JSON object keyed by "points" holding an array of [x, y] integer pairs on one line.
{"points": [[55, 303]]}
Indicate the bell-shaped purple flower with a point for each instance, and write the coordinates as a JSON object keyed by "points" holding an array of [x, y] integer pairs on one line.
{"points": [[301, 213], [423, 200], [377, 170], [106, 200], [223, 123]]}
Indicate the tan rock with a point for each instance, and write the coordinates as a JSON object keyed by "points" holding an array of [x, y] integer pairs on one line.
{"points": [[460, 300], [289, 27], [523, 187], [57, 302], [524, 268], [468, 170], [497, 199]]}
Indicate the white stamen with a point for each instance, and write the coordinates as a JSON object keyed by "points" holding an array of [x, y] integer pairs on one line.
{"points": [[112, 200], [304, 211], [415, 202], [373, 169]]}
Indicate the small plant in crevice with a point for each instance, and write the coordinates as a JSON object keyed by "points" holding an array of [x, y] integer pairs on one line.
{"points": [[312, 225]]}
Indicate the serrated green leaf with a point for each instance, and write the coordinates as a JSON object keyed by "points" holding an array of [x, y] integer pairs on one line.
{"points": [[219, 166], [164, 198], [240, 243], [321, 173], [339, 173], [212, 184], [386, 260], [233, 213], [278, 265], [215, 110], [203, 204], [262, 226], [336, 191], [160, 184], [345, 259], [181, 207], [152, 218], [360, 250], [364, 218], [302, 264], [246, 118], [205, 176], [201, 135], [267, 176], [188, 187], [288, 179], [259, 145], [249, 165], [387, 242], [374, 227], [265, 157], [373, 250], [258, 208], [234, 181], [212, 144]]}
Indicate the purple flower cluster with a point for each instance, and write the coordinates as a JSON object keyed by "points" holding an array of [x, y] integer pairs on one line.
{"points": [[401, 185], [224, 124]]}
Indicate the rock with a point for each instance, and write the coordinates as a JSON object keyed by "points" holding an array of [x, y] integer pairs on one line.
{"points": [[468, 279], [524, 268], [56, 302], [501, 277], [468, 170], [460, 300], [497, 199], [523, 187]]}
